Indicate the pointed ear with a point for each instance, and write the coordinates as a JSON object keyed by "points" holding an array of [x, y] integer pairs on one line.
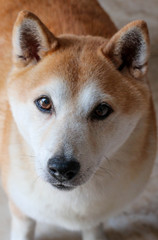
{"points": [[129, 48], [31, 39]]}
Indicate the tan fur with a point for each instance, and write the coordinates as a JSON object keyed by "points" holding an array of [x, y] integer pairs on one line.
{"points": [[76, 61], [16, 211]]}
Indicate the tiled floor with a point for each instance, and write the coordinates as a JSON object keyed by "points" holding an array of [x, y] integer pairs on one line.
{"points": [[141, 221]]}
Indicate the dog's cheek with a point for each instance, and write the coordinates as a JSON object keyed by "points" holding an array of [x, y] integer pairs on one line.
{"points": [[111, 134]]}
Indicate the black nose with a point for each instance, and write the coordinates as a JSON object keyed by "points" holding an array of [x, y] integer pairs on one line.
{"points": [[63, 169]]}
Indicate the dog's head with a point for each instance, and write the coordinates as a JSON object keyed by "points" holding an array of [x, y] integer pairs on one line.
{"points": [[76, 99]]}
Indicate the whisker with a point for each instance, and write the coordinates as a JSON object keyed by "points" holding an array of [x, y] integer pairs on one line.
{"points": [[102, 170], [30, 156], [35, 181], [106, 170]]}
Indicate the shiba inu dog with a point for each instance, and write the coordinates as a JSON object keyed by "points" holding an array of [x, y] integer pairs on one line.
{"points": [[78, 134]]}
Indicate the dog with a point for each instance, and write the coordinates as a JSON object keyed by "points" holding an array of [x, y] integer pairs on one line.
{"points": [[78, 132]]}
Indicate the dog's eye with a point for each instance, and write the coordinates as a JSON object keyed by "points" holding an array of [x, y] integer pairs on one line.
{"points": [[44, 104], [102, 111]]}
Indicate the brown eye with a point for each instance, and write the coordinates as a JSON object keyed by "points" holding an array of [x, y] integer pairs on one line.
{"points": [[102, 111], [44, 104]]}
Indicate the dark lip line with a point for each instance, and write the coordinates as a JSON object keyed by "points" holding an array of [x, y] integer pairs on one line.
{"points": [[58, 184], [62, 187]]}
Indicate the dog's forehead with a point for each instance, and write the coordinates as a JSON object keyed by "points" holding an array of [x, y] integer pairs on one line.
{"points": [[76, 61], [77, 64]]}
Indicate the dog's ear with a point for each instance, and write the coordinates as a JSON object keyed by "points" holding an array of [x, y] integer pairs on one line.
{"points": [[31, 39], [129, 48]]}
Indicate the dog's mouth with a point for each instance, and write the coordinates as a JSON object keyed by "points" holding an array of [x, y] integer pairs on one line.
{"points": [[62, 187], [59, 185]]}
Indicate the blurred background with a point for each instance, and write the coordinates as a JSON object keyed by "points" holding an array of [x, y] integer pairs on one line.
{"points": [[140, 221]]}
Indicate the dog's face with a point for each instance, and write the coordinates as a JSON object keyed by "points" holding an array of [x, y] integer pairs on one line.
{"points": [[69, 100]]}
